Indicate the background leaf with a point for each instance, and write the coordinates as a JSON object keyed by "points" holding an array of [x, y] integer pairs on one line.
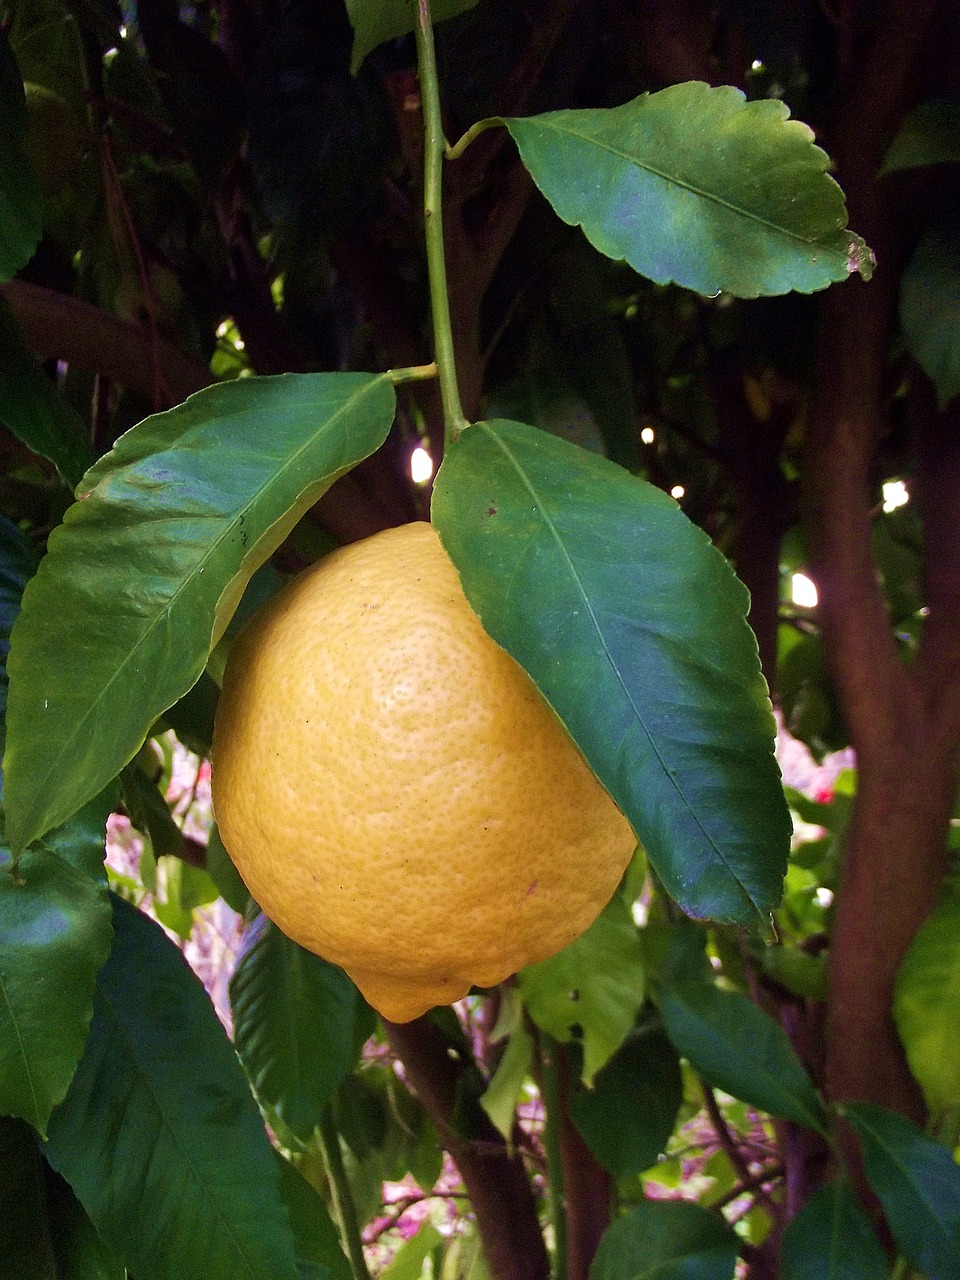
{"points": [[55, 934], [18, 561], [298, 1023], [666, 1240], [698, 186], [930, 302], [499, 1099], [740, 1049], [80, 1253], [159, 1136], [632, 625], [186, 506], [592, 990], [319, 1253], [375, 21], [918, 1184], [930, 134], [831, 1238], [21, 209], [26, 1249]]}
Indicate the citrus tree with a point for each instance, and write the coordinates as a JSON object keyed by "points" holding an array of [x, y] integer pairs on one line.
{"points": [[567, 254]]}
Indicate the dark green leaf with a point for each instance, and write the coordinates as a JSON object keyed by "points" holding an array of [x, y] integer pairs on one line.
{"points": [[21, 206], [592, 990], [18, 562], [633, 626], [831, 1238], [319, 1254], [158, 1135], [695, 185], [628, 1115], [375, 21], [740, 1049], [295, 1018], [667, 1240], [26, 1248], [54, 935], [930, 134], [147, 568], [918, 1184], [930, 300], [78, 1249], [225, 875], [149, 811]]}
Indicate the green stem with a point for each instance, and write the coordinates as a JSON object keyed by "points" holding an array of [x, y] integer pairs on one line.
{"points": [[434, 146], [342, 1198], [414, 373], [475, 130], [551, 1141]]}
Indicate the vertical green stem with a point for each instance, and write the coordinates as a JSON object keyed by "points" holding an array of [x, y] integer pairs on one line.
{"points": [[342, 1199], [551, 1141], [434, 145]]}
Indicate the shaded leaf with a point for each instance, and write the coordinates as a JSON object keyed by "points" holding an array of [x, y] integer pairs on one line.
{"points": [[629, 1114], [930, 134], [740, 1049], [633, 627], [319, 1253], [295, 1020], [831, 1238], [147, 568], [26, 1248], [698, 186], [18, 561], [592, 990], [80, 1253], [159, 1136], [21, 206], [375, 21], [55, 934], [410, 1257], [930, 303], [501, 1095], [918, 1184], [225, 875], [666, 1240]]}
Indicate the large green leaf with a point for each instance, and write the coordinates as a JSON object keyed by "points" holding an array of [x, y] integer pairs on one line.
{"points": [[21, 207], [592, 990], [930, 302], [740, 1049], [926, 1004], [918, 1184], [146, 570], [831, 1238], [633, 626], [375, 21], [295, 1020], [628, 1115], [55, 934], [930, 134], [667, 1240], [695, 185], [159, 1135]]}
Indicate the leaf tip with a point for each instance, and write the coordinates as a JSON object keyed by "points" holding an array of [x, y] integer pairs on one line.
{"points": [[860, 257]]}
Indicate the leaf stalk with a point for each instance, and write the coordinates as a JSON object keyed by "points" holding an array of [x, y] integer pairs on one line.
{"points": [[343, 1204]]}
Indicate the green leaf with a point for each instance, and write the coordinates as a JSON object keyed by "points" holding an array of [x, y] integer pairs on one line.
{"points": [[408, 1263], [592, 990], [831, 1238], [55, 934], [21, 206], [375, 21], [633, 627], [918, 1184], [79, 1251], [178, 891], [698, 186], [295, 1020], [741, 1050], [666, 1240], [149, 811], [926, 1004], [499, 1099], [319, 1253], [930, 134], [225, 875], [18, 561], [26, 1248], [159, 1136], [930, 301], [147, 568], [629, 1114]]}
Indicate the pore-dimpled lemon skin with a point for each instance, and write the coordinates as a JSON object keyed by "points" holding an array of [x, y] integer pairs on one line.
{"points": [[395, 792]]}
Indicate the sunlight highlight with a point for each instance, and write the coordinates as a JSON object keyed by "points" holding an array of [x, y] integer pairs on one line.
{"points": [[803, 591], [894, 495], [421, 465]]}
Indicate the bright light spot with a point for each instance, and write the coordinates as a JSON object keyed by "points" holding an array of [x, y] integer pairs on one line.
{"points": [[222, 329], [756, 65], [894, 495], [647, 435], [804, 591], [824, 896], [677, 491], [239, 344], [109, 55], [421, 466], [123, 33]]}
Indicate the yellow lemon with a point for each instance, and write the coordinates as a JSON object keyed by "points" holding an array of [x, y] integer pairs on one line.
{"points": [[394, 790]]}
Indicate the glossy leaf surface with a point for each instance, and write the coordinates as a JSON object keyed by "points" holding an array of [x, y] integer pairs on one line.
{"points": [[295, 1026], [831, 1238], [55, 933], [666, 1240], [740, 1049], [633, 626], [929, 301], [21, 208], [147, 568], [918, 1184], [375, 21], [697, 186], [159, 1135]]}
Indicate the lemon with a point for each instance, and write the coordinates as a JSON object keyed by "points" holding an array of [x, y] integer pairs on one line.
{"points": [[393, 788]]}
